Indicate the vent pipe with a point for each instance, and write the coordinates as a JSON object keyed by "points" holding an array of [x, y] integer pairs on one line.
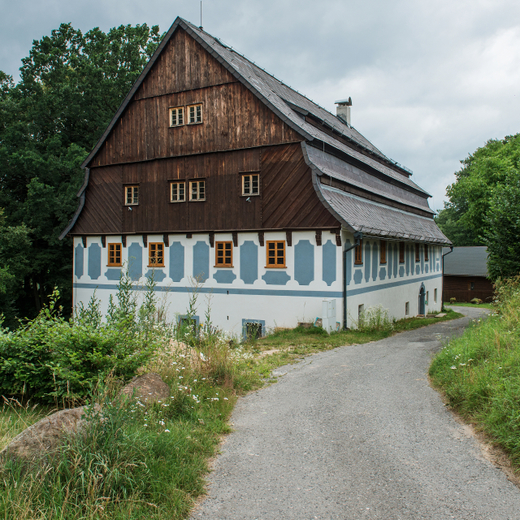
{"points": [[343, 110]]}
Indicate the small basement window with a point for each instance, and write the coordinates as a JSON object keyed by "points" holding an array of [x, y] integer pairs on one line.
{"points": [[224, 254], [275, 253], [253, 329], [197, 190], [177, 116], [177, 191], [251, 184], [131, 195], [195, 114], [156, 254], [407, 309], [114, 255]]}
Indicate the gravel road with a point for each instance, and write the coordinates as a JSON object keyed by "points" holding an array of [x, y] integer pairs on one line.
{"points": [[357, 433]]}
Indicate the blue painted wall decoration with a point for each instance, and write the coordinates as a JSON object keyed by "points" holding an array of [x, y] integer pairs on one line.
{"points": [[375, 259], [329, 262], [78, 260], [176, 261], [382, 273], [158, 274], [273, 277], [135, 261], [94, 261], [417, 269], [224, 276], [113, 273], [348, 261], [367, 260], [358, 276], [201, 261], [401, 271], [304, 262], [249, 262]]}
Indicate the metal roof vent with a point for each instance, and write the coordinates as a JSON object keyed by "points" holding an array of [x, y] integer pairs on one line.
{"points": [[343, 109]]}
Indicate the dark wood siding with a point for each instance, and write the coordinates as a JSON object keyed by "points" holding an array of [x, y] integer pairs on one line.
{"points": [[459, 287], [287, 198]]}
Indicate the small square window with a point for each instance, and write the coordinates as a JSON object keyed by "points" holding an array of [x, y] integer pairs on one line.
{"points": [[251, 184], [177, 116], [382, 252], [195, 114], [131, 195], [224, 254], [358, 257], [401, 252], [275, 253], [177, 191], [197, 190], [155, 254], [114, 255]]}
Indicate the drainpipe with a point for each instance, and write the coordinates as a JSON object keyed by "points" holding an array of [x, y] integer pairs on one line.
{"points": [[442, 296], [357, 239]]}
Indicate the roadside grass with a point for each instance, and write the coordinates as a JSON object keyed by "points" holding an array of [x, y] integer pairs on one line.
{"points": [[479, 372], [139, 462]]}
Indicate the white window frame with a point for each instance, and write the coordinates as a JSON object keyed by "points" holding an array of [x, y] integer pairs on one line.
{"points": [[175, 113], [132, 195], [248, 184], [180, 195], [198, 190], [194, 114]]}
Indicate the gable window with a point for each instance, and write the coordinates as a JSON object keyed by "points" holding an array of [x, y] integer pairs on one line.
{"points": [[197, 190], [131, 195], [251, 184], [177, 116], [177, 191], [195, 114], [358, 256], [114, 255], [401, 252], [417, 252], [223, 254], [275, 253], [382, 252], [155, 254], [426, 258]]}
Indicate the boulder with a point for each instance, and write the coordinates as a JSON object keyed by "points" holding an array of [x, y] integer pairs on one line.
{"points": [[45, 436], [148, 388]]}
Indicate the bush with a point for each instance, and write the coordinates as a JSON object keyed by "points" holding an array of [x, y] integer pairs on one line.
{"points": [[51, 359]]}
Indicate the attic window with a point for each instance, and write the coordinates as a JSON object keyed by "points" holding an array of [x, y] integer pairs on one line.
{"points": [[251, 184], [177, 116], [197, 190], [177, 191], [195, 114], [131, 195]]}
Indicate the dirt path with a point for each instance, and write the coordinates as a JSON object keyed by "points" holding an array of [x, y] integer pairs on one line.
{"points": [[357, 433]]}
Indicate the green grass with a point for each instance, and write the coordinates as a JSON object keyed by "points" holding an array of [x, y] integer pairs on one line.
{"points": [[479, 374], [467, 304], [138, 462]]}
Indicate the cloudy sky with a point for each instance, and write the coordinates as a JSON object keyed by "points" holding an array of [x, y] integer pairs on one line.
{"points": [[430, 80]]}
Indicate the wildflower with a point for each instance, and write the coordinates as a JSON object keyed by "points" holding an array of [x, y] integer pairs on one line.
{"points": [[462, 364], [166, 431], [161, 423], [226, 399], [453, 367], [146, 425]]}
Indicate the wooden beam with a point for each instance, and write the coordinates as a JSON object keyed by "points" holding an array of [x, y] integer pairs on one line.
{"points": [[338, 237], [104, 240], [318, 237], [211, 238], [145, 239], [166, 239], [235, 238], [84, 240], [288, 236], [189, 235], [261, 238], [123, 240]]}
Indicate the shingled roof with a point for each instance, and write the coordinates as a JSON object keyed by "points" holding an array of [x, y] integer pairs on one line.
{"points": [[332, 149]]}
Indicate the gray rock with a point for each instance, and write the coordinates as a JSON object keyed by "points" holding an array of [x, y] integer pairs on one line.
{"points": [[148, 388]]}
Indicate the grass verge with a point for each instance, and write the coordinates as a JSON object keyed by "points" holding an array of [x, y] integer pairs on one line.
{"points": [[150, 462], [479, 373]]}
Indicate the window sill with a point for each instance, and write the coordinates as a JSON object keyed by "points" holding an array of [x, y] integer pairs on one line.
{"points": [[156, 265], [224, 266], [276, 267], [114, 265]]}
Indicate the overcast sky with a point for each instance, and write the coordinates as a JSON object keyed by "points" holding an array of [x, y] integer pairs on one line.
{"points": [[430, 80]]}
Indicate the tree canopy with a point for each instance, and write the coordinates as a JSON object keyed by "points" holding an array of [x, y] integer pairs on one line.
{"points": [[71, 85], [484, 205]]}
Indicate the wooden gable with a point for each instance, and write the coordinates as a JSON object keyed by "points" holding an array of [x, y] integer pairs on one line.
{"points": [[186, 74]]}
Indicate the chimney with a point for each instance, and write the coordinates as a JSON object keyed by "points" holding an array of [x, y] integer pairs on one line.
{"points": [[343, 110]]}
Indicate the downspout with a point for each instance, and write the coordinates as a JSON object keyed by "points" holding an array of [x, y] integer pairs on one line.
{"points": [[442, 295], [358, 236]]}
